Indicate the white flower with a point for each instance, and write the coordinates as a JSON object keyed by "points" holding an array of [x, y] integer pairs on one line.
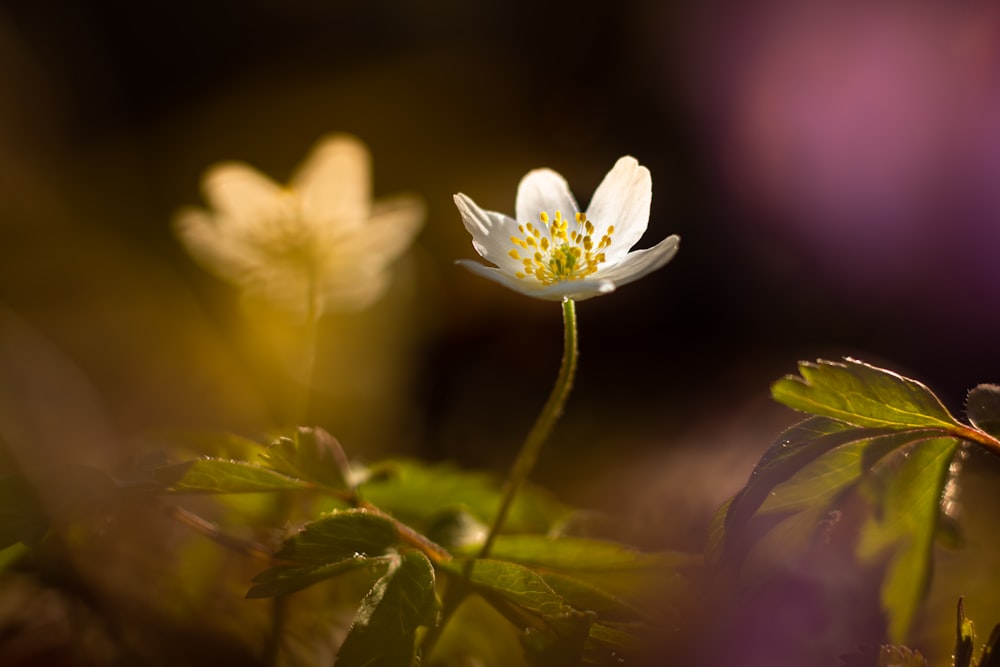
{"points": [[318, 243], [553, 250]]}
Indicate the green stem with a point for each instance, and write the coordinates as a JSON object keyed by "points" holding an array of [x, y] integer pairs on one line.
{"points": [[519, 471], [308, 344], [310, 338], [539, 433]]}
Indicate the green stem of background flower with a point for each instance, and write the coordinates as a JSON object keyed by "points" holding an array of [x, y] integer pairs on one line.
{"points": [[307, 347], [307, 368], [526, 458]]}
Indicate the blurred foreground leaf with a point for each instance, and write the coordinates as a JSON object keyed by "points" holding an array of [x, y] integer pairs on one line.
{"points": [[225, 476]]}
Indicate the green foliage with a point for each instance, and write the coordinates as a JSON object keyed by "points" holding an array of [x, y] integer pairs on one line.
{"points": [[225, 476], [420, 494], [862, 395], [341, 542], [876, 438], [385, 628], [311, 454], [570, 600], [876, 453]]}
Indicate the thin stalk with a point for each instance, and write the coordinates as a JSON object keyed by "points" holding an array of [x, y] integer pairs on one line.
{"points": [[519, 472], [309, 342], [539, 433]]}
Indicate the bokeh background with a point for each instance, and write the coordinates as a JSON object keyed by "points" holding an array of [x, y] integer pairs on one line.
{"points": [[831, 167]]}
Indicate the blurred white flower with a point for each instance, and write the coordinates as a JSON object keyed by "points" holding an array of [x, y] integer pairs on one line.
{"points": [[319, 243], [570, 254]]}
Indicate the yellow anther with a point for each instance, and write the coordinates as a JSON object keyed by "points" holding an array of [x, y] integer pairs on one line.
{"points": [[557, 253]]}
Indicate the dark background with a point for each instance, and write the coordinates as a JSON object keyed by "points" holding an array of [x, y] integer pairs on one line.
{"points": [[832, 171]]}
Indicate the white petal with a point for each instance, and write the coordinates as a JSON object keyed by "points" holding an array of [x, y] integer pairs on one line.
{"points": [[639, 263], [394, 223], [543, 190], [356, 294], [243, 195], [491, 232], [334, 182], [622, 199], [210, 247]]}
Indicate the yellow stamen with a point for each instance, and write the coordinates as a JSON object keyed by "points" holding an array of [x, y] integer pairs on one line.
{"points": [[560, 253]]}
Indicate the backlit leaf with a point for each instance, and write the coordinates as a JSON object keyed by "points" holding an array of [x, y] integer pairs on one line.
{"points": [[905, 521], [862, 395]]}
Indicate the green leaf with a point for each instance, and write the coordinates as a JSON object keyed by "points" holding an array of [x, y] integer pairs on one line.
{"points": [[793, 451], [512, 582], [612, 570], [588, 597], [804, 471], [908, 506], [384, 630], [224, 476], [340, 535], [577, 554], [983, 408], [311, 454], [862, 395], [417, 494], [284, 579], [797, 488]]}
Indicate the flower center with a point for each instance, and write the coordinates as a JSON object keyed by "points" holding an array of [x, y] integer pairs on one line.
{"points": [[553, 253]]}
